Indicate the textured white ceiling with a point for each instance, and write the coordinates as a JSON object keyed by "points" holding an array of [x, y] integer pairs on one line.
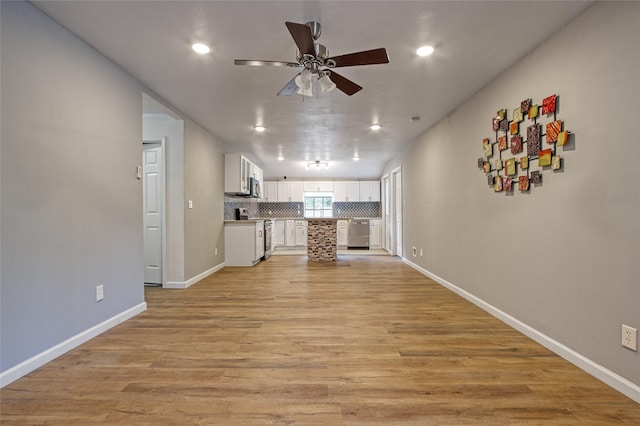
{"points": [[475, 41]]}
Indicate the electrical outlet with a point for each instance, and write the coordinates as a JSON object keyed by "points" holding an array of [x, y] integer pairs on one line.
{"points": [[190, 204], [99, 292], [420, 252], [629, 337], [215, 251], [414, 251]]}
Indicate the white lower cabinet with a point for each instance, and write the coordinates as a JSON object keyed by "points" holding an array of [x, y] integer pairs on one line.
{"points": [[300, 236], [243, 243], [343, 233], [278, 232], [375, 234], [259, 240], [290, 233]]}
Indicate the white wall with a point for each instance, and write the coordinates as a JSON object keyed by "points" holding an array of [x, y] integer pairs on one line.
{"points": [[563, 258], [71, 203]]}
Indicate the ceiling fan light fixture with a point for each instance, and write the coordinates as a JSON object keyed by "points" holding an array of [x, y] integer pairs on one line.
{"points": [[303, 81], [326, 85]]}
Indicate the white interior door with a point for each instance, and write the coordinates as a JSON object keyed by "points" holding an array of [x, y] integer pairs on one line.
{"points": [[153, 192], [386, 216], [397, 199]]}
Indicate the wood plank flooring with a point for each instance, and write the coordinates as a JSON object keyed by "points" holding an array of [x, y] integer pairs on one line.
{"points": [[365, 340]]}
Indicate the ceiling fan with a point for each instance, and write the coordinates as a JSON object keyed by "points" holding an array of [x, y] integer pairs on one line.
{"points": [[314, 60]]}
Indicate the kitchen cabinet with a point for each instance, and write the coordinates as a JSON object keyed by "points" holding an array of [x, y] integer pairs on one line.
{"points": [[290, 191], [289, 233], [278, 235], [269, 192], [237, 171], [343, 233], [243, 242], [259, 240], [369, 191], [375, 234], [300, 236], [318, 186], [344, 191]]}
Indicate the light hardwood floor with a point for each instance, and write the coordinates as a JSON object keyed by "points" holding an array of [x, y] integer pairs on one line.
{"points": [[365, 340]]}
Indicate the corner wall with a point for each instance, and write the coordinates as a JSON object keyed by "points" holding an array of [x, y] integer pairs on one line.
{"points": [[204, 185], [562, 259], [71, 203]]}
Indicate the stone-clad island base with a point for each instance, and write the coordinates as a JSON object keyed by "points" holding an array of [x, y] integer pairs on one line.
{"points": [[322, 239]]}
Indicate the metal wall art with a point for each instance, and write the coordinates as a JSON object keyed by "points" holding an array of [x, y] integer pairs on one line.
{"points": [[508, 140]]}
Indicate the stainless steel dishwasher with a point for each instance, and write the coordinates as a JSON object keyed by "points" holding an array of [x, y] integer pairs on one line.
{"points": [[359, 233]]}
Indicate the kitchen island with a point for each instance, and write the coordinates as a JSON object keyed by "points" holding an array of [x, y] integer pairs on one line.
{"points": [[322, 240]]}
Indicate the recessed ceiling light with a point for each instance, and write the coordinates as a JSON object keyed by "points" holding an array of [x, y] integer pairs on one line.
{"points": [[375, 127], [200, 48], [424, 51], [259, 129], [280, 158], [356, 158]]}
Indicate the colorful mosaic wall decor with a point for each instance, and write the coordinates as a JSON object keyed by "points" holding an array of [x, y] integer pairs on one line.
{"points": [[509, 139]]}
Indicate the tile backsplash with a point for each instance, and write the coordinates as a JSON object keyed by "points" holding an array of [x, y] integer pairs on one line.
{"points": [[232, 203], [361, 209], [296, 210], [292, 210]]}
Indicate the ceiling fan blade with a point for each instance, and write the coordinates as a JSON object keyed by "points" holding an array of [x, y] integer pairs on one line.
{"points": [[301, 34], [346, 85], [258, 63], [367, 57], [290, 88]]}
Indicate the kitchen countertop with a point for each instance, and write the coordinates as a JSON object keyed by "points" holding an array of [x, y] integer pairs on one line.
{"points": [[254, 220], [240, 222]]}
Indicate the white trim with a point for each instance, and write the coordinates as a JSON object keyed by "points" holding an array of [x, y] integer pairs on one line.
{"points": [[607, 376], [191, 281], [37, 361]]}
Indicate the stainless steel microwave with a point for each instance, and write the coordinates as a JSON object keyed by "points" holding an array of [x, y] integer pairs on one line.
{"points": [[254, 188]]}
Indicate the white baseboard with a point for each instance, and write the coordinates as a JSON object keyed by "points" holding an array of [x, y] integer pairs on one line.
{"points": [[191, 281], [601, 373], [37, 361]]}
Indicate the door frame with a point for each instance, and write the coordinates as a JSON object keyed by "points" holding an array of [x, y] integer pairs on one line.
{"points": [[386, 238], [163, 204], [396, 201]]}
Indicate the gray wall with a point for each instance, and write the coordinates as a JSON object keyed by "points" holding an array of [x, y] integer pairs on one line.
{"points": [[563, 258], [71, 203], [204, 185]]}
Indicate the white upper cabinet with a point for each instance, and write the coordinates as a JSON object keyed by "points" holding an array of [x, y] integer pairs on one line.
{"points": [[290, 191], [313, 186], [369, 191], [344, 191], [270, 192], [296, 191], [237, 171]]}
